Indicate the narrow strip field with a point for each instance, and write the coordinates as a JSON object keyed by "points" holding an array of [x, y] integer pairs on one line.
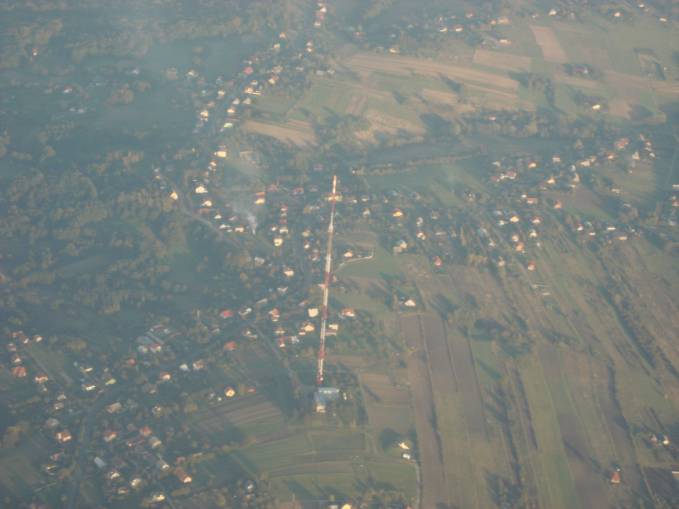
{"points": [[457, 435], [370, 63], [505, 61], [434, 486], [586, 473], [293, 132], [238, 413]]}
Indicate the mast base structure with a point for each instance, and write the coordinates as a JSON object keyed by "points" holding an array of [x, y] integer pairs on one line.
{"points": [[325, 394]]}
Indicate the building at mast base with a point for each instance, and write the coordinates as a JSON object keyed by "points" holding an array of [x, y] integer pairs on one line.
{"points": [[323, 396]]}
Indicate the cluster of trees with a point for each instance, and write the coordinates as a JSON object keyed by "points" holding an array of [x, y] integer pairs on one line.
{"points": [[538, 83], [581, 70], [589, 101], [93, 239], [93, 28]]}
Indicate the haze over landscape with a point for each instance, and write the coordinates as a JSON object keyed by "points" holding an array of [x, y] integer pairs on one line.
{"points": [[339, 254]]}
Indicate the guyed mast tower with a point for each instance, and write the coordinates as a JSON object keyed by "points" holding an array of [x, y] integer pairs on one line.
{"points": [[333, 198]]}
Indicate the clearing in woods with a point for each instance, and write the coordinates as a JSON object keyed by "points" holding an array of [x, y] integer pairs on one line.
{"points": [[549, 44]]}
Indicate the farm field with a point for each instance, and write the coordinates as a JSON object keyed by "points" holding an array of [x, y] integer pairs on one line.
{"points": [[321, 463], [292, 132], [357, 254], [434, 475], [561, 422], [391, 92]]}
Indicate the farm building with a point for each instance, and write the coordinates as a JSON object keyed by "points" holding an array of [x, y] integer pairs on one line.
{"points": [[63, 436], [19, 372], [110, 435], [183, 477]]}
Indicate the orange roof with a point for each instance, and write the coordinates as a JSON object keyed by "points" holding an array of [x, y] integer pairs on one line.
{"points": [[182, 475], [19, 371]]}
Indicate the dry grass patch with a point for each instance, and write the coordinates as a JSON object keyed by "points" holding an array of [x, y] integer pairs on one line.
{"points": [[380, 387], [356, 105], [549, 44], [440, 97], [631, 85], [576, 82], [619, 108], [294, 132], [365, 88], [388, 124], [239, 412], [499, 60], [366, 63], [351, 361]]}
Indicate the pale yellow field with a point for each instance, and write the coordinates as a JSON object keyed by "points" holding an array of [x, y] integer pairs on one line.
{"points": [[440, 97], [505, 61], [549, 44], [366, 63], [356, 104], [293, 132]]}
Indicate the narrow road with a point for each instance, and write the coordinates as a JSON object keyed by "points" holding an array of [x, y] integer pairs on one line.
{"points": [[87, 425], [84, 438]]}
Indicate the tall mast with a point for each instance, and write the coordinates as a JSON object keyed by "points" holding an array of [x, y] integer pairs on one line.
{"points": [[326, 281]]}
